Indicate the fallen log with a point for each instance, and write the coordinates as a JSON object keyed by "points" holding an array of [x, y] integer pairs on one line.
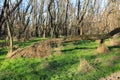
{"points": [[45, 48], [92, 36]]}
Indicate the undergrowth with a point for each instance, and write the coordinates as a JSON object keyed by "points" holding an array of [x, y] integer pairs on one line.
{"points": [[59, 67]]}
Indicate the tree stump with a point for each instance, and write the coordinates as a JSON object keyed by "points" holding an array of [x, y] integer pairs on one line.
{"points": [[102, 48]]}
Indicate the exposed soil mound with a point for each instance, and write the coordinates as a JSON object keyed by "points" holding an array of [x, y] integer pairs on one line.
{"points": [[114, 76], [84, 66], [115, 42], [39, 49], [102, 49]]}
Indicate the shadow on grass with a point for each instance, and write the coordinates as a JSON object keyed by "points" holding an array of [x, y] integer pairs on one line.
{"points": [[3, 51], [27, 43], [55, 67], [85, 41], [112, 47], [79, 42], [78, 48]]}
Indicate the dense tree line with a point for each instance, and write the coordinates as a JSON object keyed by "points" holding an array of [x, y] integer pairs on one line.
{"points": [[24, 19]]}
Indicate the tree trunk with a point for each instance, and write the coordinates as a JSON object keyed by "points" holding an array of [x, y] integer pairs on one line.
{"points": [[10, 38], [52, 32], [44, 35], [81, 31], [102, 48], [8, 26]]}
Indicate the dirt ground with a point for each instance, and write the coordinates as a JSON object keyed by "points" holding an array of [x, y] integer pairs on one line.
{"points": [[114, 76]]}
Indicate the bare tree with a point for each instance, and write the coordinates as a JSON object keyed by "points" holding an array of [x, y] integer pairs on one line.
{"points": [[8, 19]]}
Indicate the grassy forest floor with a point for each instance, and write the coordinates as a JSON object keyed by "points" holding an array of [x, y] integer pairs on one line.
{"points": [[65, 66]]}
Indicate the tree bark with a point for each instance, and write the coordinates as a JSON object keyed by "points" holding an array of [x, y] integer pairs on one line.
{"points": [[8, 26], [10, 37], [93, 36]]}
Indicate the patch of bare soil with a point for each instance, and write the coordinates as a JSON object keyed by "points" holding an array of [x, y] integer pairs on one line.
{"points": [[114, 76], [84, 66], [102, 49], [114, 42], [39, 49]]}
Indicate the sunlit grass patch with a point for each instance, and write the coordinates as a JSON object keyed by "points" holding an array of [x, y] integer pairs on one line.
{"points": [[61, 67]]}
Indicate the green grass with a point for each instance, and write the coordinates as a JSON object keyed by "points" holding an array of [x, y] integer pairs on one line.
{"points": [[58, 67], [26, 43], [2, 41]]}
